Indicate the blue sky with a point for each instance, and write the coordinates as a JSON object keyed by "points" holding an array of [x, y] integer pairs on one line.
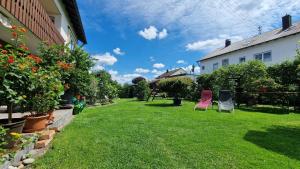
{"points": [[145, 38]]}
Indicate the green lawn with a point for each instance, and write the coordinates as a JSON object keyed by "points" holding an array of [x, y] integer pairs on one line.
{"points": [[133, 134]]}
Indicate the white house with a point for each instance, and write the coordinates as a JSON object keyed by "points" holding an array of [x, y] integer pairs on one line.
{"points": [[53, 21], [270, 47]]}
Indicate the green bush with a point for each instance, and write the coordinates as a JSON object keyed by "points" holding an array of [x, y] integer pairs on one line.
{"points": [[177, 87], [3, 142], [252, 77], [142, 90], [107, 88], [138, 79], [126, 91]]}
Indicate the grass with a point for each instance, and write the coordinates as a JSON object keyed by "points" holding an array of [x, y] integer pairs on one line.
{"points": [[132, 134]]}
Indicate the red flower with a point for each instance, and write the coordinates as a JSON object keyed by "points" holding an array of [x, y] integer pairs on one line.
{"points": [[34, 69], [4, 52], [14, 27], [24, 47], [14, 34], [35, 58], [0, 45], [11, 59]]}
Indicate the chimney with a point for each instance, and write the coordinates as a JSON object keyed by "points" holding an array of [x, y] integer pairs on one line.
{"points": [[286, 22], [227, 43]]}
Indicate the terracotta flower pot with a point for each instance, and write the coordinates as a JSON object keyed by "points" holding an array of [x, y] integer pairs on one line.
{"points": [[35, 123], [50, 116]]}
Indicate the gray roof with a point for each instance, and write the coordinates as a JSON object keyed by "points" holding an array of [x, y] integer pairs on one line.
{"points": [[172, 73], [256, 40]]}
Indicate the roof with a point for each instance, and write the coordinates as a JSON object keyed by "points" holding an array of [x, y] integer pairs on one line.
{"points": [[74, 15], [172, 73], [256, 40]]}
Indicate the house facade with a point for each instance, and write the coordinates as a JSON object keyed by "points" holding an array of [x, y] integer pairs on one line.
{"points": [[51, 21], [271, 47]]}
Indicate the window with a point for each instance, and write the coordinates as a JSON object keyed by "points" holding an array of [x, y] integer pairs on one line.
{"points": [[215, 66], [52, 18], [242, 59], [225, 62], [203, 67], [258, 56], [266, 56], [72, 38]]}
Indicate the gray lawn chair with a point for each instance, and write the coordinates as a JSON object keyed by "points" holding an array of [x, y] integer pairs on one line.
{"points": [[225, 100]]}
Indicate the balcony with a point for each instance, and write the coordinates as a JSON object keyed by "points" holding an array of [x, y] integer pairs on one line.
{"points": [[32, 14]]}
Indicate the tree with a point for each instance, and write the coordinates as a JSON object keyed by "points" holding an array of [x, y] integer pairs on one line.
{"points": [[177, 87], [126, 91], [142, 90], [108, 89], [138, 79]]}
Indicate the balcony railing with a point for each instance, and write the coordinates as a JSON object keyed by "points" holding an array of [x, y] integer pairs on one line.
{"points": [[32, 14]]}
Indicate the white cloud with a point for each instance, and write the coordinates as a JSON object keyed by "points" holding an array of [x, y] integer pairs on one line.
{"points": [[201, 19], [102, 60], [125, 78], [105, 59], [152, 59], [149, 33], [132, 75], [163, 34], [97, 68], [152, 33], [157, 72], [190, 67], [141, 70], [113, 72], [210, 44], [181, 62], [158, 65], [118, 51]]}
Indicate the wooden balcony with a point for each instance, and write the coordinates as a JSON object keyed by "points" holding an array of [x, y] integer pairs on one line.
{"points": [[32, 14]]}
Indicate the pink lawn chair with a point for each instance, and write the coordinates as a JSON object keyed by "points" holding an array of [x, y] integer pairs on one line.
{"points": [[205, 101]]}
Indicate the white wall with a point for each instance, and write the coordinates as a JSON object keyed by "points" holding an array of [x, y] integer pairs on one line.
{"points": [[282, 49], [63, 22]]}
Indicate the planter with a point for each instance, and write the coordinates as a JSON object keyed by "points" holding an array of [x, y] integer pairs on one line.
{"points": [[15, 127], [35, 123], [177, 102], [50, 116]]}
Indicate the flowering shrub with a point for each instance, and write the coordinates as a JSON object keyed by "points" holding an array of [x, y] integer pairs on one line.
{"points": [[24, 78], [47, 89], [17, 66]]}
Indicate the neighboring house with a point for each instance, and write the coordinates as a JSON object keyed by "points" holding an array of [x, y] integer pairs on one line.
{"points": [[180, 72], [270, 47], [52, 21], [172, 73]]}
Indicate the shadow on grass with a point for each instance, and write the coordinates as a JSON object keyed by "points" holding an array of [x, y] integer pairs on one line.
{"points": [[160, 105], [270, 110], [279, 139]]}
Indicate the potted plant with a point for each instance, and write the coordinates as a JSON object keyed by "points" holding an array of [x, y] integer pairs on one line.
{"points": [[47, 89], [15, 68], [176, 87]]}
